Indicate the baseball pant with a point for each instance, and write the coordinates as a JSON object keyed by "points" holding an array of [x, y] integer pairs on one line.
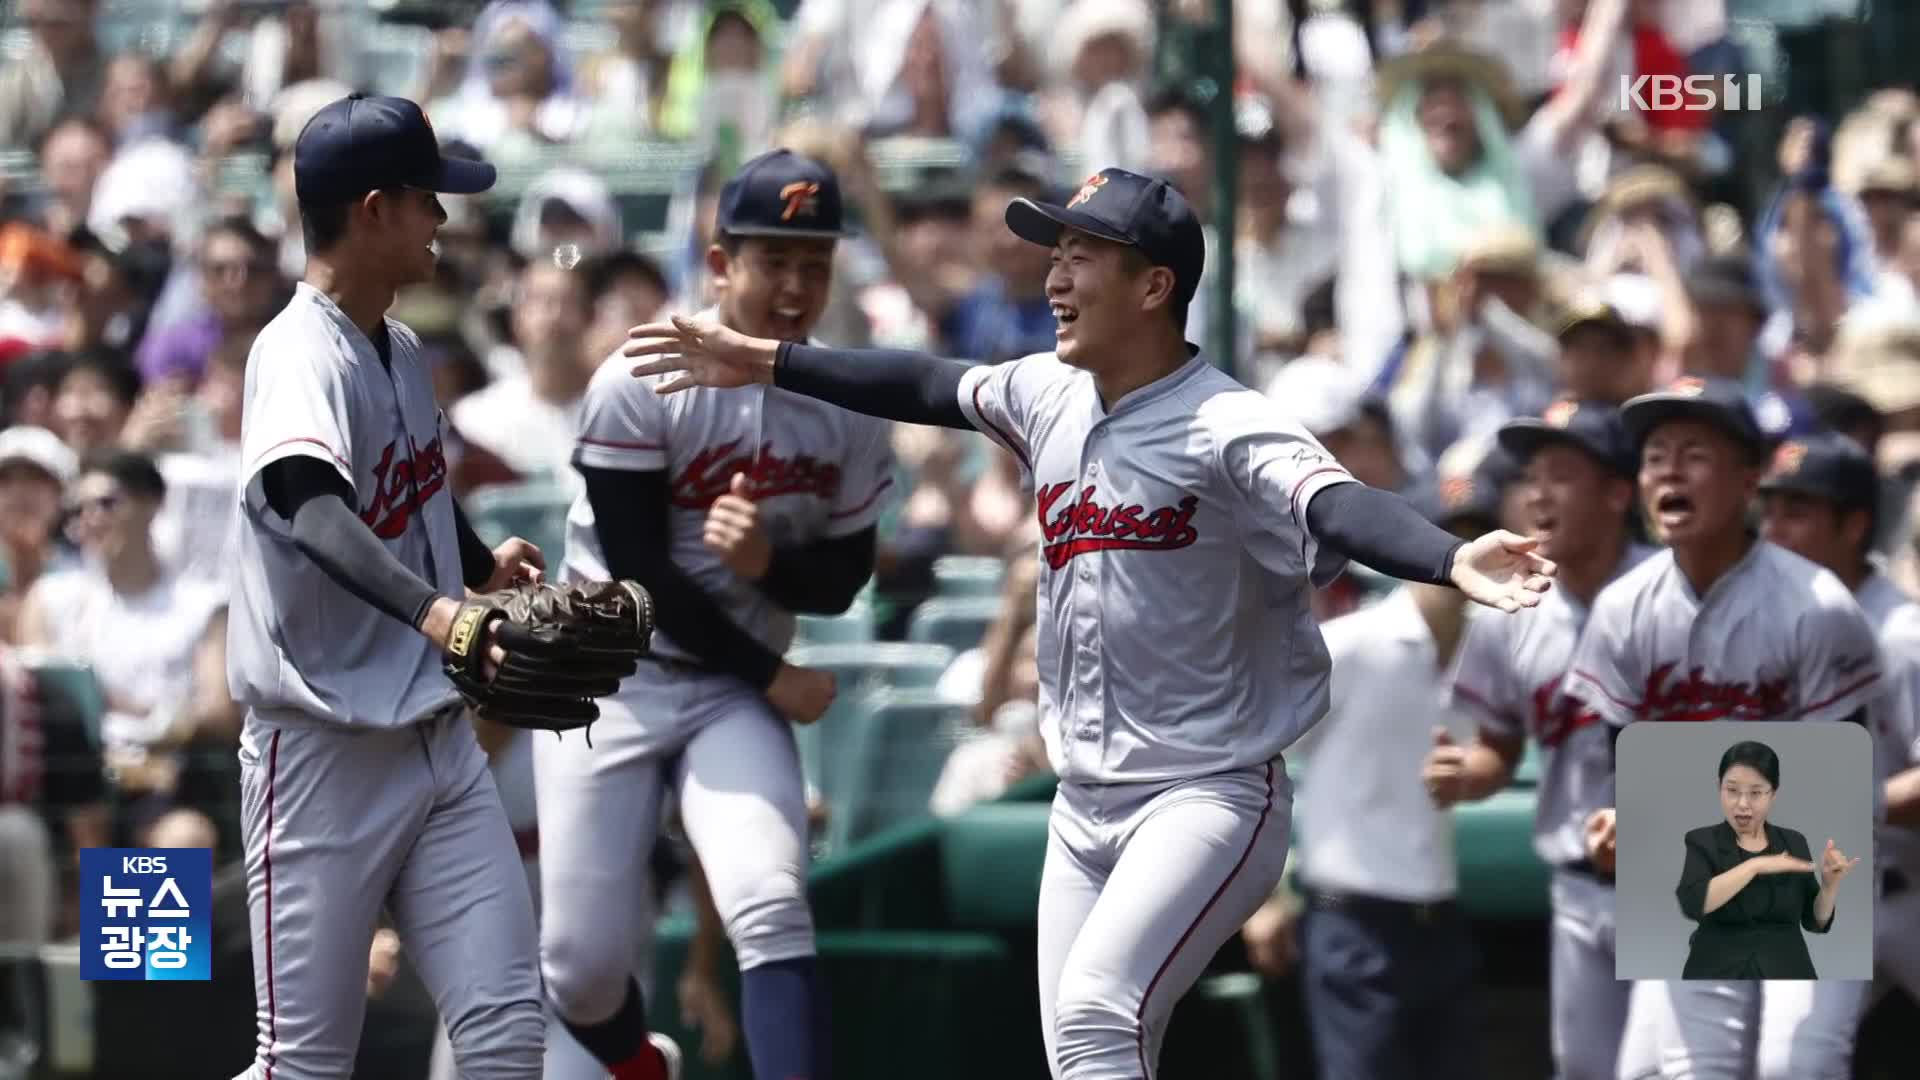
{"points": [[340, 823], [1389, 989], [566, 1059], [735, 770], [1589, 1003], [1142, 885], [1896, 935], [1776, 1030]]}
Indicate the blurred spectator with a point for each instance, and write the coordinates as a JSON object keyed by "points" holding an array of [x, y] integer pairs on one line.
{"points": [[240, 288], [148, 194], [517, 94], [61, 72], [283, 44], [73, 155], [32, 383], [1481, 360], [527, 417], [566, 206], [1889, 194], [1102, 57], [135, 99], [1179, 150], [1599, 355], [197, 450], [35, 469], [1000, 310], [720, 90], [116, 294], [51, 779], [1813, 246], [624, 290], [157, 644], [895, 67], [96, 395], [627, 83], [39, 275], [1645, 198]]}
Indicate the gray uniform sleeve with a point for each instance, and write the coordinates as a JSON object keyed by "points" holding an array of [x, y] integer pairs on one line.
{"points": [[1606, 676], [1482, 683]]}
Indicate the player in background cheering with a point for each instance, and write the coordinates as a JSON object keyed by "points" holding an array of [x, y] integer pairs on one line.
{"points": [[363, 786], [1579, 484], [1722, 625], [763, 503], [1819, 500], [1183, 526]]}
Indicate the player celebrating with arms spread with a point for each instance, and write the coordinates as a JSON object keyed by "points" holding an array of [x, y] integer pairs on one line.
{"points": [[1184, 525], [1722, 625], [736, 509]]}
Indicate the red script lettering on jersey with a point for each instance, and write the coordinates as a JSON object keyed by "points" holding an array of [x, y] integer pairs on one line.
{"points": [[709, 474], [1695, 698], [403, 486], [1555, 717], [1089, 525]]}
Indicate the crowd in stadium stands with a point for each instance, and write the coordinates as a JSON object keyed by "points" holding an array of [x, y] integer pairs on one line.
{"points": [[1445, 219]]}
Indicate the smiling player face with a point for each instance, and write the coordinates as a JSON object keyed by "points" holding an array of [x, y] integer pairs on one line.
{"points": [[774, 287], [1099, 291]]}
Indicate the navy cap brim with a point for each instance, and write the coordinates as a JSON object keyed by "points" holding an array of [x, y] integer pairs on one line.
{"points": [[797, 234], [1042, 223], [1797, 485], [462, 176], [1525, 436], [1641, 415]]}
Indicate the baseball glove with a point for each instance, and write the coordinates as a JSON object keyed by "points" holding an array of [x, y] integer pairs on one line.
{"points": [[566, 645]]}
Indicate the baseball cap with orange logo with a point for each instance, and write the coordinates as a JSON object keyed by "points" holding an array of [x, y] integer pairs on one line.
{"points": [[1711, 399], [781, 193], [1827, 466], [1127, 208]]}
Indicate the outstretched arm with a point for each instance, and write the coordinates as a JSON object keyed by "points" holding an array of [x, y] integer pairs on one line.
{"points": [[892, 384], [1381, 530]]}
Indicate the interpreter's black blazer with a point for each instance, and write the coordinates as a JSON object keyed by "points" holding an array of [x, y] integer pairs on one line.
{"points": [[1755, 935]]}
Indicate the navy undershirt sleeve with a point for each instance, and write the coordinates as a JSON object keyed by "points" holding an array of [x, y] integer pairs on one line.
{"points": [[313, 496], [892, 384], [1384, 532], [630, 518]]}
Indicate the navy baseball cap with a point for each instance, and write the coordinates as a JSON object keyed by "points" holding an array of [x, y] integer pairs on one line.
{"points": [[1464, 499], [1827, 466], [1592, 426], [781, 193], [362, 143], [1126, 208], [1712, 399]]}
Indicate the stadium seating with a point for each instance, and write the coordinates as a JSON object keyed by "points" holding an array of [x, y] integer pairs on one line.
{"points": [[968, 575], [899, 741], [535, 511], [958, 622]]}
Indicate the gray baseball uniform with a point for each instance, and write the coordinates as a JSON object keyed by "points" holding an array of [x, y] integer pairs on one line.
{"points": [[1775, 638], [1507, 674], [815, 472], [1896, 917], [1177, 660], [362, 784]]}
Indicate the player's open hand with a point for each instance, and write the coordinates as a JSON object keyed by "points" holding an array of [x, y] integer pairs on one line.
{"points": [[703, 352], [516, 561], [1835, 865], [1503, 570], [733, 532], [1601, 839]]}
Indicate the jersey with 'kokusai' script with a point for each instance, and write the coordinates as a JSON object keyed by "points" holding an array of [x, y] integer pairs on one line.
{"points": [[1174, 633]]}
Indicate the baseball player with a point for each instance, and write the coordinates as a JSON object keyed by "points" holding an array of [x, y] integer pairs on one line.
{"points": [[363, 786], [1184, 520], [1819, 500], [1579, 486], [764, 504], [1722, 626]]}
